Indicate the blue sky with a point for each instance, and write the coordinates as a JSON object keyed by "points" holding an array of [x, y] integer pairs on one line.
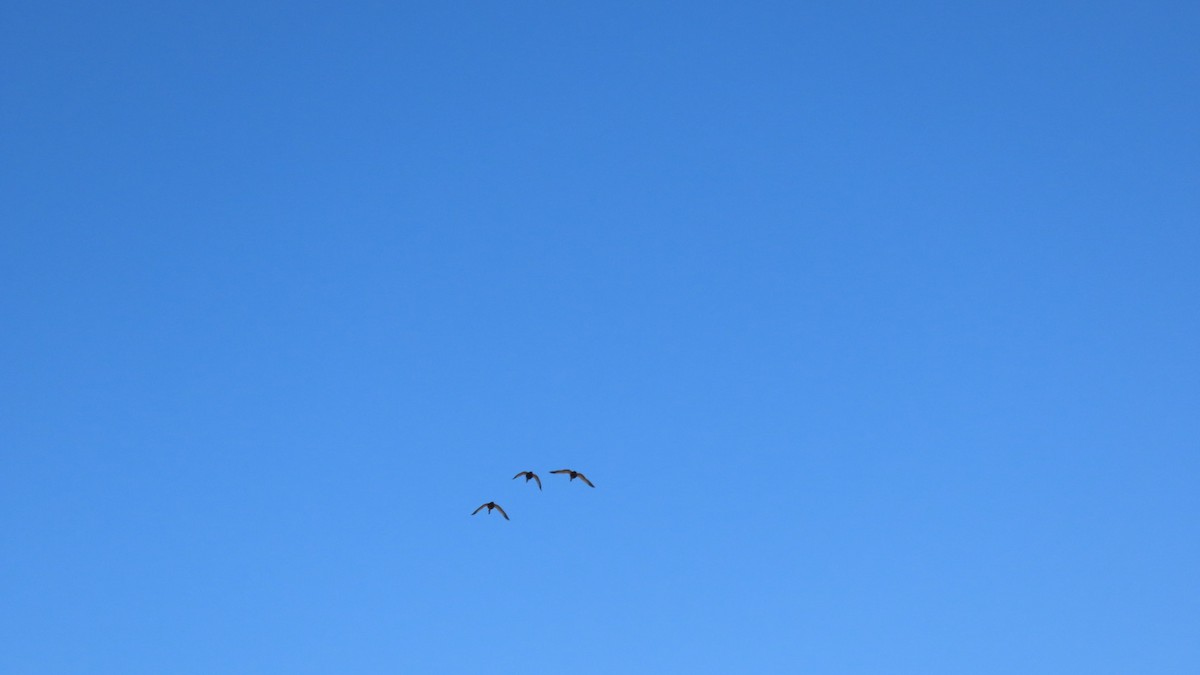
{"points": [[874, 325]]}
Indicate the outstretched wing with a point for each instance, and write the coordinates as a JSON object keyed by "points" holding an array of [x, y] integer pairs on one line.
{"points": [[502, 512], [535, 477], [519, 474], [562, 471], [584, 479], [478, 510]]}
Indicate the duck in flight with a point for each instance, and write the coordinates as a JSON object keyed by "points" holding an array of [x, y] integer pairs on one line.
{"points": [[574, 475], [528, 475], [490, 506]]}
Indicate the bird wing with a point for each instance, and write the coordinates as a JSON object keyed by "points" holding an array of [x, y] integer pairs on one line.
{"points": [[519, 474], [478, 510], [584, 479], [502, 512], [562, 471], [539, 480]]}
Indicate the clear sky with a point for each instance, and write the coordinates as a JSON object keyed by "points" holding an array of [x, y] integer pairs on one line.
{"points": [[874, 324]]}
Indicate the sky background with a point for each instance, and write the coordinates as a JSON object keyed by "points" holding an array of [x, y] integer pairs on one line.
{"points": [[874, 324]]}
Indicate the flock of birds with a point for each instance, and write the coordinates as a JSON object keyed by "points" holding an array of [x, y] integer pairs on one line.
{"points": [[529, 475]]}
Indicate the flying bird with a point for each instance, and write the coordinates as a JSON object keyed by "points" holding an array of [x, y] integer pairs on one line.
{"points": [[528, 475], [490, 506], [574, 475]]}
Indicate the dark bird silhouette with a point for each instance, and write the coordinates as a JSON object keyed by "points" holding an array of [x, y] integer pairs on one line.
{"points": [[528, 475], [490, 506], [574, 475]]}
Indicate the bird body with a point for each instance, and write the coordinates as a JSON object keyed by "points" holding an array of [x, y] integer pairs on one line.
{"points": [[528, 475], [490, 506], [574, 475]]}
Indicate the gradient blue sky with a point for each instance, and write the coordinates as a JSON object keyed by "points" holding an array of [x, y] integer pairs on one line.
{"points": [[874, 324]]}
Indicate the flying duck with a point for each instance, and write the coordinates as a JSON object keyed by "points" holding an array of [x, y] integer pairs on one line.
{"points": [[490, 506], [528, 475], [574, 475]]}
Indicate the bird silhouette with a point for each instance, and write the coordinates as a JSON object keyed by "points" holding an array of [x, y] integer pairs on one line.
{"points": [[574, 475], [490, 506], [528, 475]]}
